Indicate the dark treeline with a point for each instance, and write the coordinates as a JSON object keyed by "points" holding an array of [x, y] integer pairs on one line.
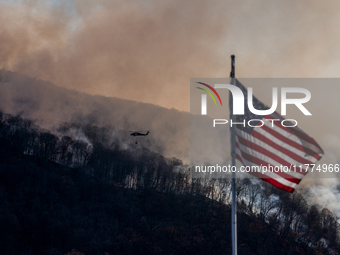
{"points": [[60, 194]]}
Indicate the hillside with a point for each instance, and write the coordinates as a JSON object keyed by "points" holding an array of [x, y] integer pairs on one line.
{"points": [[50, 209], [51, 106], [59, 194]]}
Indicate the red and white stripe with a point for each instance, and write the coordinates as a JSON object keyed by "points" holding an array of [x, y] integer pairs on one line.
{"points": [[275, 145]]}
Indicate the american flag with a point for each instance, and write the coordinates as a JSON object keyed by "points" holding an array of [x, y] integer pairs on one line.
{"points": [[273, 145]]}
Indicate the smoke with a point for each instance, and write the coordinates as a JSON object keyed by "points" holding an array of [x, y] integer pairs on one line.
{"points": [[52, 107], [77, 134], [147, 51], [132, 50], [323, 188], [325, 194]]}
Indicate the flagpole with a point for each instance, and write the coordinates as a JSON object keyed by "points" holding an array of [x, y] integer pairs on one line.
{"points": [[232, 146]]}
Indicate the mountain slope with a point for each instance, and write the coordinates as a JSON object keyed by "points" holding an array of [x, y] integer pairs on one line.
{"points": [[46, 208], [50, 106]]}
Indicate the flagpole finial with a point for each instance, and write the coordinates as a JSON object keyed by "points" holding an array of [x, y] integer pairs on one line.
{"points": [[232, 73]]}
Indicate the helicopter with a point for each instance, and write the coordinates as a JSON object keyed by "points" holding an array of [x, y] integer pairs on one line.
{"points": [[139, 133]]}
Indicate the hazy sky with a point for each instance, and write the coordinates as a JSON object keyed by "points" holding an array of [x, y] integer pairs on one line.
{"points": [[148, 50]]}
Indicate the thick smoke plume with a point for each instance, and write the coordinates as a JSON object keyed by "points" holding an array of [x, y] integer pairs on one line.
{"points": [[147, 51], [132, 50]]}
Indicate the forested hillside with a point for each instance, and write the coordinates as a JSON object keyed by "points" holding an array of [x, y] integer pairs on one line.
{"points": [[87, 195]]}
